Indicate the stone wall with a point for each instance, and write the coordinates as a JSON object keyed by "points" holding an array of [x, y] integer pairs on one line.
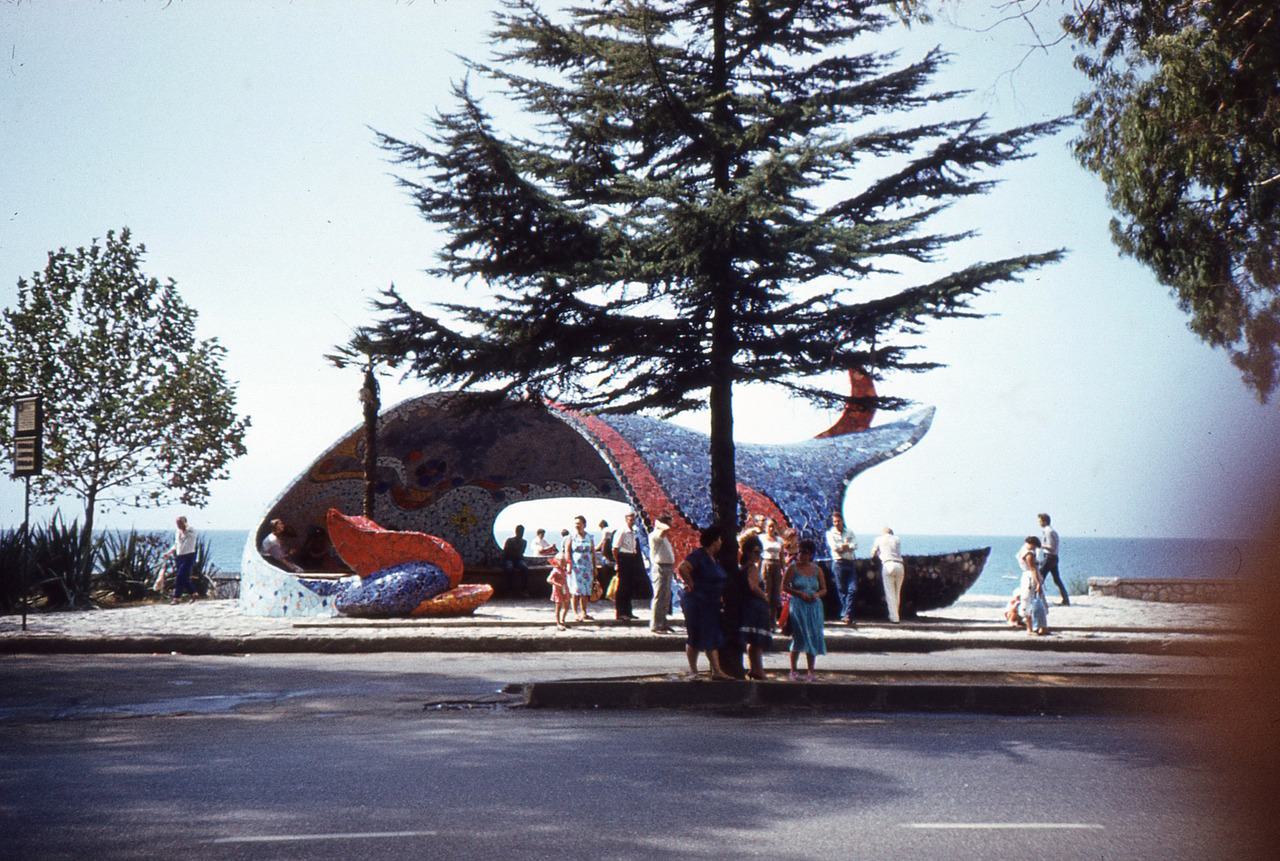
{"points": [[226, 585], [1173, 590]]}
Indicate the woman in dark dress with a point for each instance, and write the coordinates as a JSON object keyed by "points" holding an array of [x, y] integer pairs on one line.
{"points": [[703, 580], [756, 617]]}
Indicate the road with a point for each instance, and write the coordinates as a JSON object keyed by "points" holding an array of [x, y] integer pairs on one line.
{"points": [[339, 757]]}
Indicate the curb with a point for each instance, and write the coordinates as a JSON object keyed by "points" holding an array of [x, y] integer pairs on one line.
{"points": [[1014, 694], [538, 641]]}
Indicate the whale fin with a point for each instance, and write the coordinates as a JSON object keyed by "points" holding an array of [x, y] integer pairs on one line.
{"points": [[855, 417]]}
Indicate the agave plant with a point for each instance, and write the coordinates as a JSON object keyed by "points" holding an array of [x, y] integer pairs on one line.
{"points": [[128, 563], [61, 563]]}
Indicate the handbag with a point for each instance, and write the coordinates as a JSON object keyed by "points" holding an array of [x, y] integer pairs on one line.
{"points": [[597, 592], [784, 618], [612, 592]]}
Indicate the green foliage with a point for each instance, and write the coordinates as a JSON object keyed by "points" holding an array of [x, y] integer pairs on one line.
{"points": [[700, 206], [12, 557], [128, 563], [61, 564], [125, 569], [137, 410], [1183, 126]]}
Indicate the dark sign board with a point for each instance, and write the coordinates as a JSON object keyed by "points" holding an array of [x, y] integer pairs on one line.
{"points": [[28, 433]]}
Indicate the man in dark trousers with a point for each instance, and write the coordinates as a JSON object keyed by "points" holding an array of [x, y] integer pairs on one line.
{"points": [[1049, 544], [626, 553]]}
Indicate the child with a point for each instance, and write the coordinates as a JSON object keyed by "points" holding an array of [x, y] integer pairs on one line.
{"points": [[559, 580], [806, 585], [1011, 614]]}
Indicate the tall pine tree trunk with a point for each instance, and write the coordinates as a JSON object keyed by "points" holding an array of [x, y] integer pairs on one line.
{"points": [[724, 483]]}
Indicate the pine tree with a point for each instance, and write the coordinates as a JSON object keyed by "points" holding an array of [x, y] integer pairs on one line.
{"points": [[699, 206]]}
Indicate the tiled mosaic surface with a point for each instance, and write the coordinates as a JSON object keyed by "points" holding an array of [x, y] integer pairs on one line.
{"points": [[393, 591], [448, 472], [806, 481]]}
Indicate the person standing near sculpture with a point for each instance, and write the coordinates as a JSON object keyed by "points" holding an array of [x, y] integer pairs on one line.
{"points": [[805, 583], [703, 580], [772, 544], [888, 549], [844, 567], [183, 552], [755, 625], [580, 548], [1049, 544], [662, 558], [604, 552], [626, 555]]}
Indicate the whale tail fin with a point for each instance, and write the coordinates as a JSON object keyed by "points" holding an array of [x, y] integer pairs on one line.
{"points": [[856, 417]]}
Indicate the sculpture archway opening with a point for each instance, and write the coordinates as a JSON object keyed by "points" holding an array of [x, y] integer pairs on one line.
{"points": [[554, 515]]}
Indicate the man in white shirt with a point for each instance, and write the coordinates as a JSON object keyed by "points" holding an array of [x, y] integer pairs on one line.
{"points": [[1049, 544], [663, 559], [844, 569], [888, 549], [541, 546], [626, 553], [183, 552]]}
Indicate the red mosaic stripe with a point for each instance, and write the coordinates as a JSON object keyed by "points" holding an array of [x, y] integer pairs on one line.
{"points": [[757, 503], [653, 500]]}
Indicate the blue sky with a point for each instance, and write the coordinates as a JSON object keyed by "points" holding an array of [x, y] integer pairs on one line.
{"points": [[234, 140]]}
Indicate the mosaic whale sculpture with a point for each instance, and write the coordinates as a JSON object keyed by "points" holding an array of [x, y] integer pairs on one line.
{"points": [[401, 573], [450, 463]]}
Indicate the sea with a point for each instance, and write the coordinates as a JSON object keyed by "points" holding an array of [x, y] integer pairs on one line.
{"points": [[1079, 558]]}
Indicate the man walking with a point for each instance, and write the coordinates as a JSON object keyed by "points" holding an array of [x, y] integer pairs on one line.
{"points": [[841, 543], [1049, 544], [183, 552]]}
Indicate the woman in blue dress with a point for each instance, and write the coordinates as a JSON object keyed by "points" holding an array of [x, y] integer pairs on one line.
{"points": [[703, 580], [805, 583], [580, 547]]}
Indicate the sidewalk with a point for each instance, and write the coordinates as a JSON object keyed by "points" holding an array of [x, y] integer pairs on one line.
{"points": [[1104, 654], [1090, 624]]}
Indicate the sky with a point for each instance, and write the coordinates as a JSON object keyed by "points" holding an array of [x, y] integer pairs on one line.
{"points": [[235, 140]]}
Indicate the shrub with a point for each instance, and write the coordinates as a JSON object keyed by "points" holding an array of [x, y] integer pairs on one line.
{"points": [[12, 548], [128, 564], [62, 565]]}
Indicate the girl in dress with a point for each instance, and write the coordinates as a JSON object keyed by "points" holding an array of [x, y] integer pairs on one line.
{"points": [[757, 619], [806, 584], [559, 580]]}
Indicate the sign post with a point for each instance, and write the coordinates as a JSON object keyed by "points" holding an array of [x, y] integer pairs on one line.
{"points": [[28, 460]]}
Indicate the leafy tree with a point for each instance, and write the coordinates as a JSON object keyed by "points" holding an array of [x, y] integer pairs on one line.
{"points": [[1183, 126], [699, 207], [137, 411]]}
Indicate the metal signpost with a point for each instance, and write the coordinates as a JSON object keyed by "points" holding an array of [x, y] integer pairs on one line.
{"points": [[28, 460]]}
